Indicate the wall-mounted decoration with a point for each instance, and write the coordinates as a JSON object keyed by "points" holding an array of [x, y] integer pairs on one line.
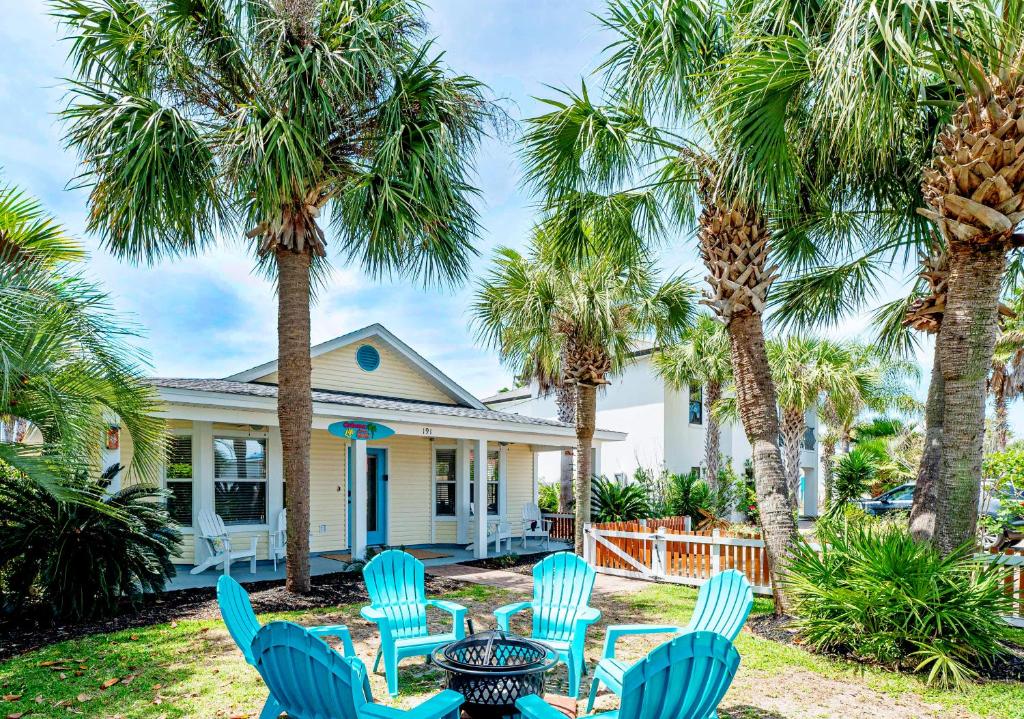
{"points": [[360, 429]]}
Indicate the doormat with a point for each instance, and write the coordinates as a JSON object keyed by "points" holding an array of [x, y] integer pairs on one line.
{"points": [[418, 553]]}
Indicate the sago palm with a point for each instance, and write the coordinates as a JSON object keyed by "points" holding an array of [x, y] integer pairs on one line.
{"points": [[701, 357], [264, 121], [68, 367], [582, 318]]}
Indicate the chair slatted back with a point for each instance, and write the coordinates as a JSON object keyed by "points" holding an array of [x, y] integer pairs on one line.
{"points": [[238, 615], [723, 604], [306, 677], [685, 678], [282, 521], [211, 524], [394, 581], [532, 513], [562, 584]]}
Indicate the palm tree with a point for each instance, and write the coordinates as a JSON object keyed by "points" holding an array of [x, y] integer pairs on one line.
{"points": [[67, 362], [264, 120], [582, 318], [702, 357], [1006, 380]]}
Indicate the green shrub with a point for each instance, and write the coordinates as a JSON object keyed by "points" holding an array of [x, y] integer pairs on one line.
{"points": [[879, 595], [82, 557], [688, 495], [547, 497], [613, 501], [852, 475]]}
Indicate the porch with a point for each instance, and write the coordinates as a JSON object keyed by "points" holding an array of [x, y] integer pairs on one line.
{"points": [[321, 563]]}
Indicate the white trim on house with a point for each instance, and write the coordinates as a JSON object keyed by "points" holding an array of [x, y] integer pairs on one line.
{"points": [[445, 383]]}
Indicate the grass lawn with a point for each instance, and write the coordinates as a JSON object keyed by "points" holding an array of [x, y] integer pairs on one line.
{"points": [[192, 669]]}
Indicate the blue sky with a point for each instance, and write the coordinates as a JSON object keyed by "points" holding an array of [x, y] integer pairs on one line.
{"points": [[210, 315]]}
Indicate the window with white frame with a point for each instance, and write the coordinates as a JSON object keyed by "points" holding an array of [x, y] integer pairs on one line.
{"points": [[178, 478], [492, 482], [240, 479], [444, 482], [696, 409]]}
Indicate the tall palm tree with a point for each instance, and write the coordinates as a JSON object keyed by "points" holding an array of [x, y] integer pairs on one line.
{"points": [[583, 318], [67, 362], [1006, 380], [701, 357], [263, 120]]}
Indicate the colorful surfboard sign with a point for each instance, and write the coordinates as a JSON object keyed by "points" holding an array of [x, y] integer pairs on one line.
{"points": [[360, 429]]}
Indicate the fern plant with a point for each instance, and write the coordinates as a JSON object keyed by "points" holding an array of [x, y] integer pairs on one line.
{"points": [[614, 501], [874, 592], [81, 558]]}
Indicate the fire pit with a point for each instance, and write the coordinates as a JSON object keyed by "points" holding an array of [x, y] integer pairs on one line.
{"points": [[492, 670]]}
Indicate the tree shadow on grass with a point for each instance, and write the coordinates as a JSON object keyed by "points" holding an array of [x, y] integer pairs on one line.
{"points": [[748, 711]]}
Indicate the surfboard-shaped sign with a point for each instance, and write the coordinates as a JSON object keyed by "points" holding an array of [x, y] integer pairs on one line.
{"points": [[360, 429]]}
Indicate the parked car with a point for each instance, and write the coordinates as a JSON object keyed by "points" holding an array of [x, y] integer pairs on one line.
{"points": [[895, 500]]}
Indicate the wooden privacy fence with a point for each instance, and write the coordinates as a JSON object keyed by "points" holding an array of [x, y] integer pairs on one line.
{"points": [[563, 526], [664, 550]]}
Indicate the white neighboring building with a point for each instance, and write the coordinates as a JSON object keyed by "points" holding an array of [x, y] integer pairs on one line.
{"points": [[665, 428]]}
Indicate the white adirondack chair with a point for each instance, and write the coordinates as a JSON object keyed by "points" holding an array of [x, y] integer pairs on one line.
{"points": [[277, 541], [498, 531], [534, 525], [214, 534]]}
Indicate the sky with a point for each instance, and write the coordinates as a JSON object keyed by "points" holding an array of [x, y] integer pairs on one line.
{"points": [[211, 316]]}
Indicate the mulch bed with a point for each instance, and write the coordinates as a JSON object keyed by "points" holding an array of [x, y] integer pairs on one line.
{"points": [[518, 563], [1010, 667], [27, 631]]}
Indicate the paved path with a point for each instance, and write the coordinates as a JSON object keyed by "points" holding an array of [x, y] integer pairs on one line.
{"points": [[512, 581]]}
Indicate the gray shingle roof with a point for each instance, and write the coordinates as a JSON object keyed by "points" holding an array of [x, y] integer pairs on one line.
{"points": [[254, 389]]}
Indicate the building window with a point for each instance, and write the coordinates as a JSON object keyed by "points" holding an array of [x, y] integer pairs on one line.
{"points": [[809, 441], [368, 358], [444, 482], [492, 482], [178, 478], [695, 471], [696, 404], [240, 479]]}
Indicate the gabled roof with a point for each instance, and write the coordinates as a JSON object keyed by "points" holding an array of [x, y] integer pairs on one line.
{"points": [[379, 331]]}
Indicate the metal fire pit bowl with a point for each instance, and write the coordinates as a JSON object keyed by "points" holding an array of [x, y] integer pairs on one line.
{"points": [[493, 669]]}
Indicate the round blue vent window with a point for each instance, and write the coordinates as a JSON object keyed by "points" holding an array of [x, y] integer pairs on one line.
{"points": [[368, 358]]}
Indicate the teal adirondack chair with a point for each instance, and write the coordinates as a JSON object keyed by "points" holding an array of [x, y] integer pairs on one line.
{"points": [[398, 606], [684, 678], [240, 619], [723, 604], [562, 584], [312, 681]]}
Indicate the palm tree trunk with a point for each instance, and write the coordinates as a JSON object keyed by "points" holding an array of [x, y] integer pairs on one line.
{"points": [[922, 511], [966, 341], [793, 427], [828, 453], [586, 411], [295, 406], [565, 396], [713, 434], [1002, 422], [755, 396]]}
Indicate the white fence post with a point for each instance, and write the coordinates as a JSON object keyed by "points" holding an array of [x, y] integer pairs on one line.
{"points": [[658, 558], [687, 522], [716, 552], [588, 544]]}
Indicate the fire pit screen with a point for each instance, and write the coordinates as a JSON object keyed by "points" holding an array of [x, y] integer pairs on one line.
{"points": [[492, 670]]}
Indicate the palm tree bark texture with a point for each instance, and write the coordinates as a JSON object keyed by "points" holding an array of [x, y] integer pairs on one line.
{"points": [[734, 248], [712, 436], [295, 406], [793, 428], [565, 395], [975, 195], [586, 420]]}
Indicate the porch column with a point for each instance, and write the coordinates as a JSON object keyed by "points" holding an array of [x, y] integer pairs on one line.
{"points": [[462, 472], [503, 508], [275, 476], [358, 499], [202, 476], [480, 472]]}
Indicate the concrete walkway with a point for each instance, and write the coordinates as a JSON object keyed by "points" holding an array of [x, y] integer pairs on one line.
{"points": [[515, 582]]}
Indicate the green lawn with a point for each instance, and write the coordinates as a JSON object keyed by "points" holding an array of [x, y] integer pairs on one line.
{"points": [[192, 669]]}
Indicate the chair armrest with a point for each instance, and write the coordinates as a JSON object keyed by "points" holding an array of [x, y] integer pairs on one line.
{"points": [[504, 614], [336, 630], [618, 630], [441, 705], [533, 707], [378, 617], [456, 610], [586, 617]]}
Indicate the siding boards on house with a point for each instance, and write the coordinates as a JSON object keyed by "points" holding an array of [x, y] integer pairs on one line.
{"points": [[395, 377]]}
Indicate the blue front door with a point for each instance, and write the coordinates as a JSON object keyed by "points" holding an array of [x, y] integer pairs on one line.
{"points": [[376, 496]]}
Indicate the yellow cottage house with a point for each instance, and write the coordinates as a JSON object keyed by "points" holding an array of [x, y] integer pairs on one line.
{"points": [[415, 487]]}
